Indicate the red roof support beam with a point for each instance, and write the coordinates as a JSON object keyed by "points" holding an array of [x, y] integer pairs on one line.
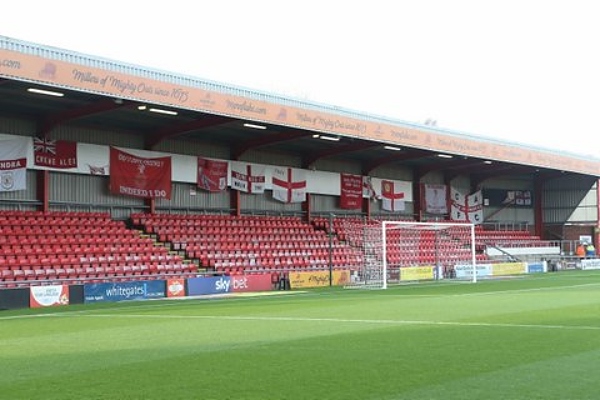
{"points": [[337, 150], [266, 140], [175, 130]]}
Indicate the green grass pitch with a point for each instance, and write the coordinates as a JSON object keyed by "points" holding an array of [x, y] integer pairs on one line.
{"points": [[536, 337]]}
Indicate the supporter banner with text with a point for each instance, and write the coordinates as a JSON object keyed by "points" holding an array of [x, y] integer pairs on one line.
{"points": [[212, 174], [351, 191], [13, 164], [135, 176], [247, 178], [54, 153]]}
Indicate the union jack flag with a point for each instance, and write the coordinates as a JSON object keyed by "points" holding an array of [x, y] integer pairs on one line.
{"points": [[43, 145]]}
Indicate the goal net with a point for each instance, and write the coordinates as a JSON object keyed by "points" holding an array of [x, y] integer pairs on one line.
{"points": [[394, 252]]}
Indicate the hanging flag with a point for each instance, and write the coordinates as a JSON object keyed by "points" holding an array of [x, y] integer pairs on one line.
{"points": [[390, 199], [436, 199], [212, 174], [350, 191], [135, 176], [54, 153], [95, 170], [13, 164], [247, 178], [289, 185], [368, 188], [466, 208]]}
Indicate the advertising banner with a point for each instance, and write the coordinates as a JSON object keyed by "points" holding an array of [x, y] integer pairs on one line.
{"points": [[251, 283], [207, 285], [509, 268], [119, 291], [48, 296], [312, 279], [466, 270], [416, 273], [176, 288]]}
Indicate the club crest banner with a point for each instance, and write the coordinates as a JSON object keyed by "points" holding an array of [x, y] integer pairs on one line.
{"points": [[466, 208], [390, 199], [13, 164], [135, 176], [212, 174]]}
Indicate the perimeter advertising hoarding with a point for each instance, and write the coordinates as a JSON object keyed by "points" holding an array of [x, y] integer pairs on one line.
{"points": [[251, 283], [209, 285], [416, 273], [313, 279], [119, 291], [48, 296], [175, 287], [499, 269]]}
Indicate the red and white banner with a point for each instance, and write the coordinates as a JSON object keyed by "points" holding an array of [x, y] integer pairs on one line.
{"points": [[251, 283], [289, 185], [435, 197], [369, 188], [48, 296], [175, 287], [466, 208], [212, 174], [95, 170], [351, 191], [247, 178], [54, 153], [13, 164], [390, 199], [131, 175]]}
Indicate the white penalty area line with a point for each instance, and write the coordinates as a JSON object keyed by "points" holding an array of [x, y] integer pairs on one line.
{"points": [[331, 320]]}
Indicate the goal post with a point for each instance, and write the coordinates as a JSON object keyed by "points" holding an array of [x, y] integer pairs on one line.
{"points": [[395, 252]]}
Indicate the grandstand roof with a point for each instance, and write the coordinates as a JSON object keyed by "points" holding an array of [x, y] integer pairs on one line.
{"points": [[109, 95]]}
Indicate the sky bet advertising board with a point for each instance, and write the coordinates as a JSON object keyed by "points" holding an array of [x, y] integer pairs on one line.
{"points": [[209, 285], [120, 291], [227, 284]]}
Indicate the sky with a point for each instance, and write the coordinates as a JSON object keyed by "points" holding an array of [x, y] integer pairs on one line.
{"points": [[521, 71]]}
